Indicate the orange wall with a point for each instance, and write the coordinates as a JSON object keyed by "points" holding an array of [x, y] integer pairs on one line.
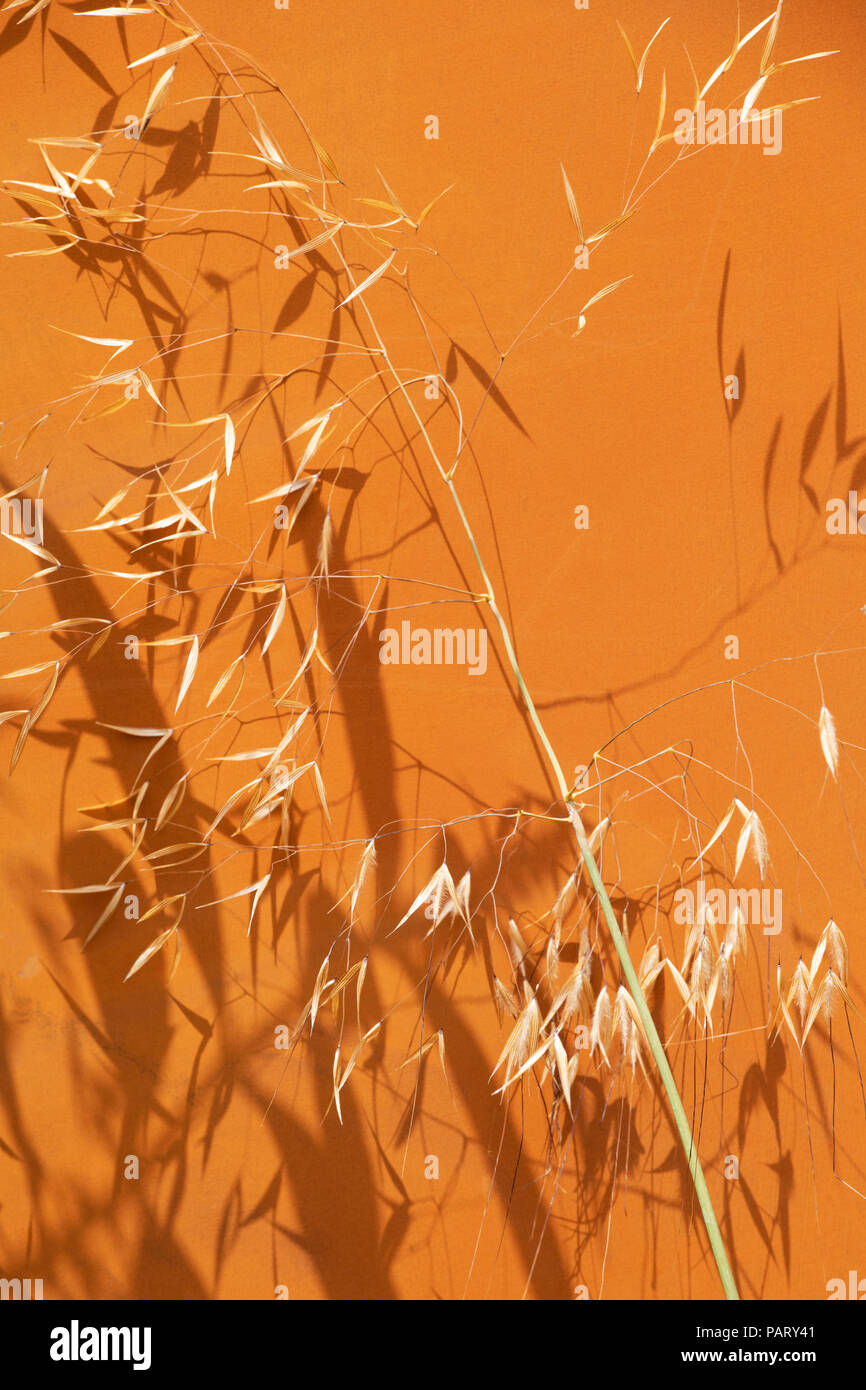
{"points": [[698, 531]]}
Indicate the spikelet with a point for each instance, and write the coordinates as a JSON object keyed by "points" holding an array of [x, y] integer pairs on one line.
{"points": [[552, 959], [701, 980], [829, 742], [837, 951], [438, 897], [783, 1013], [523, 1038], [753, 838], [565, 901], [503, 999], [638, 1039], [622, 1021], [828, 992], [822, 1002], [800, 991], [651, 966], [693, 940], [723, 973], [736, 936], [575, 999], [833, 945], [602, 1025]]}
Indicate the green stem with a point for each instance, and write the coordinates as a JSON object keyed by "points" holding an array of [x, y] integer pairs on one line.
{"points": [[655, 1043], [717, 1245]]}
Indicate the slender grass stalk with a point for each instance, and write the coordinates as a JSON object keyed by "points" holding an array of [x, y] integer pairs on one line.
{"points": [[655, 1043]]}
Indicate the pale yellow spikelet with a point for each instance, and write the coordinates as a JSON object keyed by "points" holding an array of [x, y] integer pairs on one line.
{"points": [[518, 947], [585, 960], [637, 1040], [572, 204], [503, 999], [752, 838], [701, 979], [706, 917], [320, 985], [158, 97], [602, 1025], [679, 980], [325, 544], [635, 1052], [818, 954], [833, 945], [650, 967], [367, 862], [336, 1084], [523, 1040], [559, 1064], [800, 991], [438, 897], [552, 959], [829, 742], [565, 901], [736, 936], [722, 974], [837, 951], [782, 1013], [829, 991], [575, 998], [693, 940], [461, 893], [720, 828], [622, 1020]]}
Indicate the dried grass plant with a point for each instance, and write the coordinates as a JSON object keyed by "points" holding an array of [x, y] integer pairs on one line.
{"points": [[246, 654]]}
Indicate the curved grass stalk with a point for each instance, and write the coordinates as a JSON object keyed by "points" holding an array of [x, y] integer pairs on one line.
{"points": [[656, 1047]]}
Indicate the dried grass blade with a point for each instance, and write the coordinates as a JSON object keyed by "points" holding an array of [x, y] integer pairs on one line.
{"points": [[370, 280]]}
